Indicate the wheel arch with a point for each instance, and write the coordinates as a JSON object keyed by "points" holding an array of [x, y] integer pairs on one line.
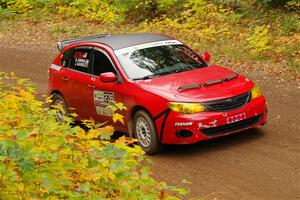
{"points": [[56, 92], [132, 113]]}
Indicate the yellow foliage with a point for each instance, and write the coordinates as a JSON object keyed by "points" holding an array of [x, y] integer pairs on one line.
{"points": [[41, 159], [259, 40], [118, 118]]}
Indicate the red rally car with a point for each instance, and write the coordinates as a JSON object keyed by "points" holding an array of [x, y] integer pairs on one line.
{"points": [[173, 94]]}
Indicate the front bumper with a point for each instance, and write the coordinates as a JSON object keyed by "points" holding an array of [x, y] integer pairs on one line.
{"points": [[187, 129]]}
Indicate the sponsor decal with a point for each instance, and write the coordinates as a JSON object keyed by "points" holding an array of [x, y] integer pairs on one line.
{"points": [[81, 62], [104, 111], [236, 118], [55, 67], [81, 59], [80, 54], [208, 125], [183, 123], [102, 99], [147, 45]]}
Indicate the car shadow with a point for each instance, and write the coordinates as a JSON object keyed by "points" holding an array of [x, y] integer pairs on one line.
{"points": [[215, 144]]}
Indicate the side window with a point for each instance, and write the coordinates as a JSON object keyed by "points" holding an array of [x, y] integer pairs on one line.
{"points": [[102, 64], [78, 59]]}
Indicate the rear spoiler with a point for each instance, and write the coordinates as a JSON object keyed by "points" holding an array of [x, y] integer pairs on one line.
{"points": [[62, 44]]}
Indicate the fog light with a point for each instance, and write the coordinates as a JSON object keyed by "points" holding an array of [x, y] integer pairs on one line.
{"points": [[184, 133]]}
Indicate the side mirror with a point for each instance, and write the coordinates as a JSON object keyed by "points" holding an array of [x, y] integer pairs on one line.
{"points": [[107, 77], [206, 56]]}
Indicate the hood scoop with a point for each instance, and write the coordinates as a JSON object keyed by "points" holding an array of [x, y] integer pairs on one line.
{"points": [[193, 86]]}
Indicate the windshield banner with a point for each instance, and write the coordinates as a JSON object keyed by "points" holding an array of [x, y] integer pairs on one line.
{"points": [[146, 45]]}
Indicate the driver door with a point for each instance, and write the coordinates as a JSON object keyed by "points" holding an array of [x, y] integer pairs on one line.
{"points": [[104, 94]]}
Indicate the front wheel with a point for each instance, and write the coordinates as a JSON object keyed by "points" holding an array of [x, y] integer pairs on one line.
{"points": [[144, 130]]}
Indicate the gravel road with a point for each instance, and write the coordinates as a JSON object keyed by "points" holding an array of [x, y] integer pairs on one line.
{"points": [[263, 163]]}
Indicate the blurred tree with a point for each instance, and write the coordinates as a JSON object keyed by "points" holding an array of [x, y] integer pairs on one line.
{"points": [[274, 3]]}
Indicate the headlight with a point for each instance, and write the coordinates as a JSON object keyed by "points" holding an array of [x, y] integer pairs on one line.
{"points": [[255, 92], [186, 108]]}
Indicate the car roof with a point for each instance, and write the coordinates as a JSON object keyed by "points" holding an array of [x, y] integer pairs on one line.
{"points": [[121, 41], [117, 41]]}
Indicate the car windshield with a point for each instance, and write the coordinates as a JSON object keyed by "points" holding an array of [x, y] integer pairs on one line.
{"points": [[147, 63]]}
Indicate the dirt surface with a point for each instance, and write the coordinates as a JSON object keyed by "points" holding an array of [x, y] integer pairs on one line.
{"points": [[263, 163]]}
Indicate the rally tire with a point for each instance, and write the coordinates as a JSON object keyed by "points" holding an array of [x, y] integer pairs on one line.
{"points": [[144, 130], [59, 101]]}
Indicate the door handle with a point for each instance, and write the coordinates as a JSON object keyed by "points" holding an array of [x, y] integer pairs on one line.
{"points": [[65, 78], [91, 86]]}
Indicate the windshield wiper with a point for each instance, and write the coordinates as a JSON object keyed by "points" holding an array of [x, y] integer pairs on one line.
{"points": [[180, 70], [152, 76], [198, 65], [188, 68], [144, 78]]}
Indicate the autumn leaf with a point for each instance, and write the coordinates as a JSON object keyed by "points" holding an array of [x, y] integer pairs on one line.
{"points": [[117, 117], [120, 106]]}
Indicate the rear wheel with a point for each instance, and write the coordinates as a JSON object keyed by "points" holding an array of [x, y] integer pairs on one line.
{"points": [[60, 105], [144, 130]]}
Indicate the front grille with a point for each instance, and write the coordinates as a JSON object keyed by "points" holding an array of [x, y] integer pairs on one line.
{"points": [[231, 127], [229, 103]]}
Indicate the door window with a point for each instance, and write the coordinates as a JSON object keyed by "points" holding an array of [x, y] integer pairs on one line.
{"points": [[102, 64]]}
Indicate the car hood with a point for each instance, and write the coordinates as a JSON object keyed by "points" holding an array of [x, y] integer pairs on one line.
{"points": [[168, 86]]}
